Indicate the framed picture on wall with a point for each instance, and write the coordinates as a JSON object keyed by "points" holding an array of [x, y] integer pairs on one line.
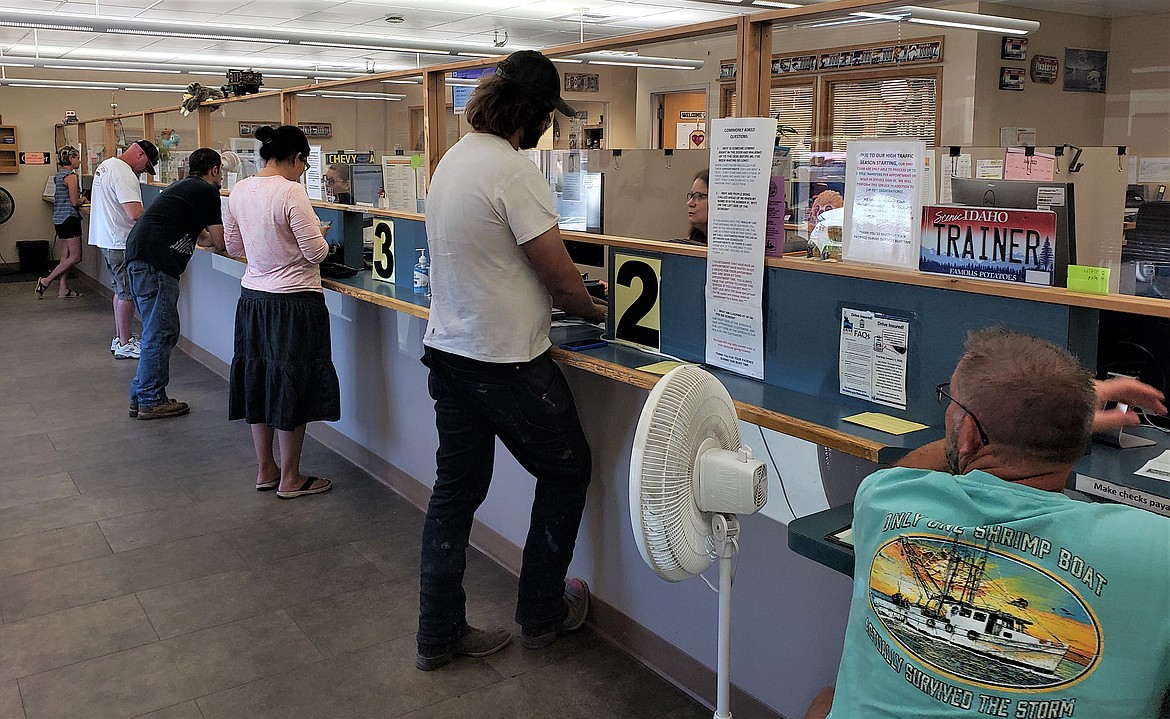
{"points": [[1014, 48], [581, 82], [1085, 70], [1012, 78]]}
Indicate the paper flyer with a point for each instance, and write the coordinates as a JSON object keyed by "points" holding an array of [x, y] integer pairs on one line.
{"points": [[873, 356], [741, 167], [883, 190], [957, 166]]}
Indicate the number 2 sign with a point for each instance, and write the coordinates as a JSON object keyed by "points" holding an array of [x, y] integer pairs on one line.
{"points": [[636, 291]]}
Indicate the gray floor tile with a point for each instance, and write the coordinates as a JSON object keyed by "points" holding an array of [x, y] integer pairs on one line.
{"points": [[320, 574], [51, 548], [28, 490], [186, 710], [208, 601], [55, 640], [180, 467], [10, 704], [191, 520], [16, 445], [311, 524], [361, 618], [67, 511], [144, 679], [48, 590], [377, 682], [600, 683]]}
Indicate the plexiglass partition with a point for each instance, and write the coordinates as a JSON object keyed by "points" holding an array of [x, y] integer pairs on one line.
{"points": [[233, 126], [176, 137]]}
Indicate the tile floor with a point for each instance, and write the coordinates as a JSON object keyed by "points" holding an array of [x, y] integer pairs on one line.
{"points": [[142, 575]]}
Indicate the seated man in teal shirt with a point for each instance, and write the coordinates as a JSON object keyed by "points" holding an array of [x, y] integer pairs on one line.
{"points": [[984, 591]]}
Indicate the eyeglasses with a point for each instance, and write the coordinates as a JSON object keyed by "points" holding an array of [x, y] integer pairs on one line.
{"points": [[941, 393], [696, 196]]}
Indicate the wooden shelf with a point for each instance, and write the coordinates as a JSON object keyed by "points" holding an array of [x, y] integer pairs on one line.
{"points": [[9, 150]]}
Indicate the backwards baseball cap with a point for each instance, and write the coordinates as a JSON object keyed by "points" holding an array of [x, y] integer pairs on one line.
{"points": [[151, 153], [530, 70]]}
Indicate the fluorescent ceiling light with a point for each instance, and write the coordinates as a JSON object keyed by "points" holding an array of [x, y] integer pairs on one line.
{"points": [[770, 3], [110, 68], [268, 35], [256, 34], [95, 85], [403, 82], [162, 66], [969, 20]]}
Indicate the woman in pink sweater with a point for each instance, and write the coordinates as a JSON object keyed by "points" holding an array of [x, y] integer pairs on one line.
{"points": [[282, 374]]}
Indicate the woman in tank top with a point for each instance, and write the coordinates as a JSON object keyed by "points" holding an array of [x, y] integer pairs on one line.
{"points": [[67, 198]]}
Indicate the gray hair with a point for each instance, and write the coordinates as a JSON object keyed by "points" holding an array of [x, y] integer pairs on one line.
{"points": [[1033, 398]]}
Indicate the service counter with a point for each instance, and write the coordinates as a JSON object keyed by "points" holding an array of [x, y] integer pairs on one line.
{"points": [[1106, 473], [788, 613]]}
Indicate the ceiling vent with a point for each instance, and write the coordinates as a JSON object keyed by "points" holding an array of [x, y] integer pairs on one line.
{"points": [[589, 18]]}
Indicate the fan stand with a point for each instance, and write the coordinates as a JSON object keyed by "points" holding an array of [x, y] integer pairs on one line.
{"points": [[725, 528]]}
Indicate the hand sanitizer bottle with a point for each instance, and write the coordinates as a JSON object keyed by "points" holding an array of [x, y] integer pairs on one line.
{"points": [[422, 274]]}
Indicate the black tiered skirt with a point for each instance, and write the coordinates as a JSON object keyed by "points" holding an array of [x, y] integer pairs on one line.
{"points": [[282, 373]]}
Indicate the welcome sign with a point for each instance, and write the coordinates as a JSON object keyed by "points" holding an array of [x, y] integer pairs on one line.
{"points": [[989, 243]]}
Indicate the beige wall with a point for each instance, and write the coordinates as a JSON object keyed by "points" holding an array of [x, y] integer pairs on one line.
{"points": [[34, 111], [1137, 111], [1059, 117]]}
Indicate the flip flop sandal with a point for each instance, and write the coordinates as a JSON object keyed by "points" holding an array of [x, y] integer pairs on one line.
{"points": [[70, 295], [306, 488], [40, 290], [266, 486]]}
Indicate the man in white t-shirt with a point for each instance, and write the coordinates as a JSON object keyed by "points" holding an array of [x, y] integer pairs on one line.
{"points": [[498, 266], [116, 204]]}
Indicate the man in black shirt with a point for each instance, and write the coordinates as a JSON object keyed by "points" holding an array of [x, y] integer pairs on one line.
{"points": [[157, 252]]}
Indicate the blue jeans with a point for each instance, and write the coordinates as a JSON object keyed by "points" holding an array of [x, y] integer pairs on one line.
{"points": [[156, 294], [530, 408]]}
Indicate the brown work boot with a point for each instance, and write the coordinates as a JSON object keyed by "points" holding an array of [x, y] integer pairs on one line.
{"points": [[162, 410], [576, 611], [476, 643]]}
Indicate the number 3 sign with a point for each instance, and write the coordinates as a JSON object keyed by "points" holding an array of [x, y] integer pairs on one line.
{"points": [[637, 312], [384, 250]]}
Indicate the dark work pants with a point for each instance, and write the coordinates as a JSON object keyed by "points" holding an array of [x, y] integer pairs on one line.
{"points": [[530, 408]]}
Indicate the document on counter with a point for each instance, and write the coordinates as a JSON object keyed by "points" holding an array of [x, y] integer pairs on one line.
{"points": [[1157, 468], [873, 356], [885, 423], [661, 368]]}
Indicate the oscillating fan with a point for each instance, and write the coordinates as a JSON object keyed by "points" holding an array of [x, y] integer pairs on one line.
{"points": [[689, 477], [7, 206]]}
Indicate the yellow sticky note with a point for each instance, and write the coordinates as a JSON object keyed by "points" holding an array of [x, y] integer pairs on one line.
{"points": [[1090, 280], [660, 368], [885, 423]]}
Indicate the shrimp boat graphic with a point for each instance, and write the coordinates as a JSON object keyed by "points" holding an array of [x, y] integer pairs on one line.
{"points": [[948, 608]]}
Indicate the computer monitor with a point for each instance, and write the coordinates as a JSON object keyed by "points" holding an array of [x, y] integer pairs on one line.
{"points": [[367, 185], [1027, 195]]}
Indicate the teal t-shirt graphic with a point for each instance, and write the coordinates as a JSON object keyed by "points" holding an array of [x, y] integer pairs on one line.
{"points": [[973, 596]]}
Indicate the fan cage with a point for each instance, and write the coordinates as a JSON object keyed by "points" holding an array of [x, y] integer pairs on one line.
{"points": [[689, 412]]}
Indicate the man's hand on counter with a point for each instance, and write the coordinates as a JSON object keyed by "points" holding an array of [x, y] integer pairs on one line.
{"points": [[1128, 394]]}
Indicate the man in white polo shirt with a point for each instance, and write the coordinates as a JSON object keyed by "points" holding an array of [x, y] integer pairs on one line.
{"points": [[116, 204]]}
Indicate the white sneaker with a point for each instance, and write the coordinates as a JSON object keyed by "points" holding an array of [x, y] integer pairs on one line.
{"points": [[135, 341], [129, 350]]}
